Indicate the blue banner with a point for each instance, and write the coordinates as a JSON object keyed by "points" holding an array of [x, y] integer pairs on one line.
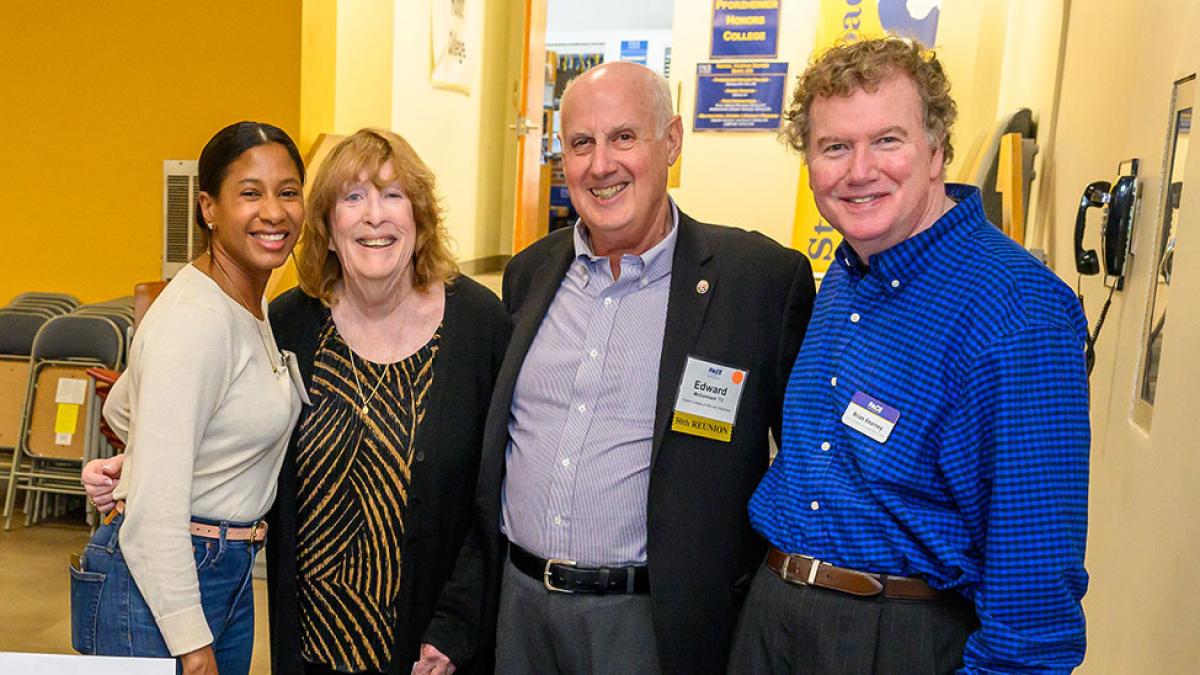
{"points": [[739, 96], [634, 50], [745, 29]]}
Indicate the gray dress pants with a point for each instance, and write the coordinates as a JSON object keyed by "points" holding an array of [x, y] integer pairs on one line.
{"points": [[787, 629], [541, 631]]}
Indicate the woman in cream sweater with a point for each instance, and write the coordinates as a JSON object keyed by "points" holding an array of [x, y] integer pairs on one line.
{"points": [[207, 406]]}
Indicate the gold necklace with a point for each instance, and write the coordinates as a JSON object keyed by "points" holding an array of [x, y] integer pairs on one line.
{"points": [[365, 410], [246, 304]]}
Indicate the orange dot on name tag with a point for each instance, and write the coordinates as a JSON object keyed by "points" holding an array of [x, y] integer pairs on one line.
{"points": [[738, 376]]}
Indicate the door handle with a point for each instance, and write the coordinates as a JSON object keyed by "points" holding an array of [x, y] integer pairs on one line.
{"points": [[523, 126]]}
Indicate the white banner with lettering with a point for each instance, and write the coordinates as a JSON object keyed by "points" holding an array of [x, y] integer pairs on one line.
{"points": [[453, 45]]}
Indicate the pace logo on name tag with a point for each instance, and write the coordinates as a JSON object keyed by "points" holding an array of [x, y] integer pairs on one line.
{"points": [[870, 417], [709, 394]]}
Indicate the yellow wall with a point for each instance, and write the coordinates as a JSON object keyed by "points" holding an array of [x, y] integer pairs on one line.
{"points": [[1144, 533], [363, 84], [737, 178], [461, 136], [367, 64], [318, 70], [95, 96]]}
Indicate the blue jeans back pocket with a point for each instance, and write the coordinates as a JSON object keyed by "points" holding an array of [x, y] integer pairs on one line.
{"points": [[86, 588]]}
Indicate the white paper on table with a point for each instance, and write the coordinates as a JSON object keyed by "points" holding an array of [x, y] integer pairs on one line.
{"points": [[71, 390], [12, 663]]}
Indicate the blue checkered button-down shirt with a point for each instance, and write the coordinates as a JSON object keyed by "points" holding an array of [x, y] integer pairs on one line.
{"points": [[982, 484]]}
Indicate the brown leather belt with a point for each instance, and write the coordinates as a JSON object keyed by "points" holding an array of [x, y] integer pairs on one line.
{"points": [[803, 570], [256, 533]]}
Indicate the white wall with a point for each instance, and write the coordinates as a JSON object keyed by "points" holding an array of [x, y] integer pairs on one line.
{"points": [[593, 15]]}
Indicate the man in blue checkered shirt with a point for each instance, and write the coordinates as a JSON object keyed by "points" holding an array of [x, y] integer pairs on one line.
{"points": [[927, 512]]}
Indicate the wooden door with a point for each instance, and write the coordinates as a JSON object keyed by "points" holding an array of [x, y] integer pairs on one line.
{"points": [[529, 222]]}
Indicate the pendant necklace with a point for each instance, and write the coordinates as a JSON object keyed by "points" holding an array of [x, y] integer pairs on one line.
{"points": [[263, 340], [365, 410]]}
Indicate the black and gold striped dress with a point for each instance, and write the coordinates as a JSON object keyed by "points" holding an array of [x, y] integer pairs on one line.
{"points": [[353, 464]]}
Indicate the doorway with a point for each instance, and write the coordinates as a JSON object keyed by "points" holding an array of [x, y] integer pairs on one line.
{"points": [[560, 40]]}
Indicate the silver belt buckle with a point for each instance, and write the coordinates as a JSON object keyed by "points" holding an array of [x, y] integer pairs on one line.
{"points": [[546, 574], [812, 570]]}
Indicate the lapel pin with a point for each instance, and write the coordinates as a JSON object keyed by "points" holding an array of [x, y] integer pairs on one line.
{"points": [[702, 286]]}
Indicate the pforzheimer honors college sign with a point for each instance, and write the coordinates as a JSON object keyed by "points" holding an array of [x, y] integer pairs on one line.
{"points": [[745, 29]]}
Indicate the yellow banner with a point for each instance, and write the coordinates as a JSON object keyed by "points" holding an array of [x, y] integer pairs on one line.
{"points": [[701, 426], [842, 22]]}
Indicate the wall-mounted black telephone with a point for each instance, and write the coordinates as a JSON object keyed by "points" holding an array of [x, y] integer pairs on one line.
{"points": [[1119, 201]]}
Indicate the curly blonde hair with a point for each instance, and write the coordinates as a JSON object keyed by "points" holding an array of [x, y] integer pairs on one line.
{"points": [[842, 69], [369, 150]]}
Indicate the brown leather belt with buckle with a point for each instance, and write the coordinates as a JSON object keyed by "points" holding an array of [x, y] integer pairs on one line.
{"points": [[256, 533], [564, 576], [803, 570]]}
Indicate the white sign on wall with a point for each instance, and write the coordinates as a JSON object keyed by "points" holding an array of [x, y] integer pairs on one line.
{"points": [[453, 46]]}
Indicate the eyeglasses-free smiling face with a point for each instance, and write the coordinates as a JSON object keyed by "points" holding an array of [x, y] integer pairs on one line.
{"points": [[616, 157], [872, 168], [373, 231], [257, 213]]}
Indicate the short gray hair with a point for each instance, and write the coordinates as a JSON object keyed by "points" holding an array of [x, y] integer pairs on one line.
{"points": [[661, 103]]}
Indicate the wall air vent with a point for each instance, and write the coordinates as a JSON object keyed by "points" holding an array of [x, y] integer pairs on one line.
{"points": [[182, 239]]}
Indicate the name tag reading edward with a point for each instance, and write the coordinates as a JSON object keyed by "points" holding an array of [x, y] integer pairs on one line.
{"points": [[872, 418], [709, 394]]}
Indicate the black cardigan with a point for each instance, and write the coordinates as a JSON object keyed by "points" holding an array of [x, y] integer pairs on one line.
{"points": [[444, 601]]}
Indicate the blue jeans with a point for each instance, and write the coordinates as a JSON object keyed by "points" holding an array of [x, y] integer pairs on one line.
{"points": [[109, 617]]}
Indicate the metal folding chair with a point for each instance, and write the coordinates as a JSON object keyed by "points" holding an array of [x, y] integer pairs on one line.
{"points": [[35, 310], [121, 316], [66, 300], [57, 307], [60, 417], [17, 331]]}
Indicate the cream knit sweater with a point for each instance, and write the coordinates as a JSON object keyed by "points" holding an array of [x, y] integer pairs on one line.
{"points": [[206, 423]]}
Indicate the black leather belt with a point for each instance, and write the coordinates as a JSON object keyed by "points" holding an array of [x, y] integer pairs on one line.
{"points": [[564, 576]]}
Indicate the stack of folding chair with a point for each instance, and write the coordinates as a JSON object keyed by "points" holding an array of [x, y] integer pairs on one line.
{"points": [[16, 342], [60, 414], [45, 304], [19, 322]]}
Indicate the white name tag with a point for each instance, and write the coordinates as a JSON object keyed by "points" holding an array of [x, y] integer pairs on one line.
{"points": [[289, 360], [870, 417], [709, 394]]}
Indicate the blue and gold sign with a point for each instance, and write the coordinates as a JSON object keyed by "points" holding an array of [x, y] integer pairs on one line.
{"points": [[739, 96], [634, 50], [745, 29]]}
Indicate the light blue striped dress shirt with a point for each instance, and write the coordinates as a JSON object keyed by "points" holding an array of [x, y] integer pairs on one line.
{"points": [[578, 458]]}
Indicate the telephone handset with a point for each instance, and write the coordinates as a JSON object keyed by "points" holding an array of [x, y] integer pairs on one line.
{"points": [[1119, 201]]}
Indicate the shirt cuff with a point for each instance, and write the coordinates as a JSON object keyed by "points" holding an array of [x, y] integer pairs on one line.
{"points": [[185, 631]]}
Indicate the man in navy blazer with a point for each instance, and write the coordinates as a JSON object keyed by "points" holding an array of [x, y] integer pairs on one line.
{"points": [[632, 413]]}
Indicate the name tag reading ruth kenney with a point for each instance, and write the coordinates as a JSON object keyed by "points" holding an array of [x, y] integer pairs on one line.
{"points": [[709, 394], [872, 418]]}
